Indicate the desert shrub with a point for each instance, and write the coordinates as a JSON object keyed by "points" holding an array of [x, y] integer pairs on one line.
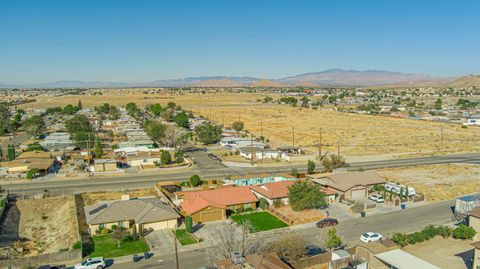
{"points": [[464, 232], [400, 238]]}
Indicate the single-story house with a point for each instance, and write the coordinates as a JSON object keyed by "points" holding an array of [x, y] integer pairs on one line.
{"points": [[474, 220], [141, 214], [104, 165], [264, 260], [400, 259], [211, 205], [259, 153], [349, 185], [43, 161], [144, 158], [274, 191]]}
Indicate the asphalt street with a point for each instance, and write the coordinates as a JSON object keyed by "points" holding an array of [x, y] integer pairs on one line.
{"points": [[209, 169]]}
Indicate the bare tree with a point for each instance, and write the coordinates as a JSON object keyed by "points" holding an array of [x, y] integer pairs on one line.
{"points": [[235, 239], [290, 247], [170, 137], [332, 162]]}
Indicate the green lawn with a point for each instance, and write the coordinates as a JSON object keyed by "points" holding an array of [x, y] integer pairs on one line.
{"points": [[261, 221], [107, 247], [185, 238]]}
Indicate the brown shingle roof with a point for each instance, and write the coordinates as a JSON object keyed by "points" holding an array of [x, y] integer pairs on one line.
{"points": [[474, 212], [346, 181]]}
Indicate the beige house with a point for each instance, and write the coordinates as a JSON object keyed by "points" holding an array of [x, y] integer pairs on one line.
{"points": [[474, 221], [350, 185], [139, 214], [476, 256], [105, 165]]}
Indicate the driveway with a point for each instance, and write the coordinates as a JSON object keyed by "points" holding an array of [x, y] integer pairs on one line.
{"points": [[160, 241], [207, 232]]}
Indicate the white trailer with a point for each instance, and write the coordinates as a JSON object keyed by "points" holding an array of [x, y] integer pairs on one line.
{"points": [[400, 189]]}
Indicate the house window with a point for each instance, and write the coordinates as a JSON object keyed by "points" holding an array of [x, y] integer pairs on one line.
{"points": [[101, 226], [120, 224], [246, 205]]}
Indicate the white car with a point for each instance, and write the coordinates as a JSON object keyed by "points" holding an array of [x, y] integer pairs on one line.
{"points": [[371, 237], [92, 263], [376, 198]]}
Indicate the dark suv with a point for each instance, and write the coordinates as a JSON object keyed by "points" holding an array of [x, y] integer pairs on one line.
{"points": [[327, 222]]}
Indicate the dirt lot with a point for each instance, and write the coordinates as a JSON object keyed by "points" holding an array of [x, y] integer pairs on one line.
{"points": [[357, 134], [439, 182], [96, 197], [300, 217], [444, 253], [43, 225]]}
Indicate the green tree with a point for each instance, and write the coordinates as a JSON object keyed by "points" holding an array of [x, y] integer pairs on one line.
{"points": [[294, 172], [464, 232], [178, 156], [34, 126], [332, 162], [80, 130], [189, 224], [34, 147], [98, 150], [304, 101], [195, 180], [171, 105], [311, 167], [11, 152], [53, 110], [333, 240], [262, 203], [400, 238], [167, 114], [305, 195], [79, 104], [5, 116], [155, 129], [238, 126], [70, 109], [438, 104], [181, 119], [165, 157], [132, 109], [32, 173], [208, 133], [155, 109]]}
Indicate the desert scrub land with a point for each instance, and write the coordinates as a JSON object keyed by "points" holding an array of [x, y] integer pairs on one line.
{"points": [[439, 182], [91, 198], [42, 226], [357, 134]]}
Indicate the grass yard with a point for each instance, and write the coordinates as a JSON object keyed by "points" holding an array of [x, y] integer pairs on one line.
{"points": [[261, 221], [107, 247], [185, 238]]}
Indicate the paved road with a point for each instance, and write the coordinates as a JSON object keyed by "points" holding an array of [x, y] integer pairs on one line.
{"points": [[211, 170], [409, 220]]}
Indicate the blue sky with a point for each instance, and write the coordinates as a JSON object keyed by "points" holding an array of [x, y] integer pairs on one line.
{"points": [[128, 41]]}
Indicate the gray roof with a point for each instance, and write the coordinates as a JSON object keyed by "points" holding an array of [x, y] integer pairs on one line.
{"points": [[346, 181], [404, 260], [141, 211]]}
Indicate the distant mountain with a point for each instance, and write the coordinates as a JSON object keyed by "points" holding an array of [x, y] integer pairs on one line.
{"points": [[341, 77], [331, 77], [466, 81]]}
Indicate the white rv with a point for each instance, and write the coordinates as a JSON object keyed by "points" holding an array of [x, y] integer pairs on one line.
{"points": [[399, 189], [472, 122]]}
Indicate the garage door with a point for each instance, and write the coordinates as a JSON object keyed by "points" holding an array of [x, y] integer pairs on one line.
{"points": [[358, 194], [210, 216], [158, 225]]}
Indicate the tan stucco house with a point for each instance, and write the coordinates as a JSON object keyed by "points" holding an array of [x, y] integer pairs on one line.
{"points": [[141, 214]]}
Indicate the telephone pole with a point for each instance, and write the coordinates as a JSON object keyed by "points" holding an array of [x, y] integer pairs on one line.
{"points": [[293, 137], [176, 248], [88, 153], [261, 128], [252, 152], [320, 145], [441, 139], [223, 120]]}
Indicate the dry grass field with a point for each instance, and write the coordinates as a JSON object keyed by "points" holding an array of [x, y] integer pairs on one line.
{"points": [[92, 198], [44, 225], [357, 135], [438, 182]]}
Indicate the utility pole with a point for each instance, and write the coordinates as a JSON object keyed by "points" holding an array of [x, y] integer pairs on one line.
{"points": [[261, 128], [320, 145], [252, 152], [293, 137], [441, 139], [88, 154], [223, 120]]}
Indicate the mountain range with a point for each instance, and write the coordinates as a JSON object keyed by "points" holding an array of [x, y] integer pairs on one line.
{"points": [[327, 78]]}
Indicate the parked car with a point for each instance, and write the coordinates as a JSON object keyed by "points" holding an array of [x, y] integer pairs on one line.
{"points": [[376, 198], [371, 237], [213, 157], [92, 263], [314, 250], [326, 222]]}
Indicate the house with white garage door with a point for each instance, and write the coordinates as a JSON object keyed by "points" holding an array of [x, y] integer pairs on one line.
{"points": [[139, 214], [349, 185]]}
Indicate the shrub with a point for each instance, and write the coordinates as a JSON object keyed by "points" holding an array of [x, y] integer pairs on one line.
{"points": [[188, 224], [400, 238], [464, 232], [32, 173], [105, 231], [311, 167], [294, 172], [77, 245], [165, 157], [195, 180], [416, 237], [262, 203], [114, 227], [249, 209]]}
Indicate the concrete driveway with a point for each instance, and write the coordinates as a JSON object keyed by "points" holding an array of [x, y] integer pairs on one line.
{"points": [[206, 232], [160, 241]]}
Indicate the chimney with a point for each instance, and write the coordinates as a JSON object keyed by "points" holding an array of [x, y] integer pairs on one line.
{"points": [[125, 197]]}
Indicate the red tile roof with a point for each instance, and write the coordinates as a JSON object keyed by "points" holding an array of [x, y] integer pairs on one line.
{"points": [[194, 201], [274, 190]]}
